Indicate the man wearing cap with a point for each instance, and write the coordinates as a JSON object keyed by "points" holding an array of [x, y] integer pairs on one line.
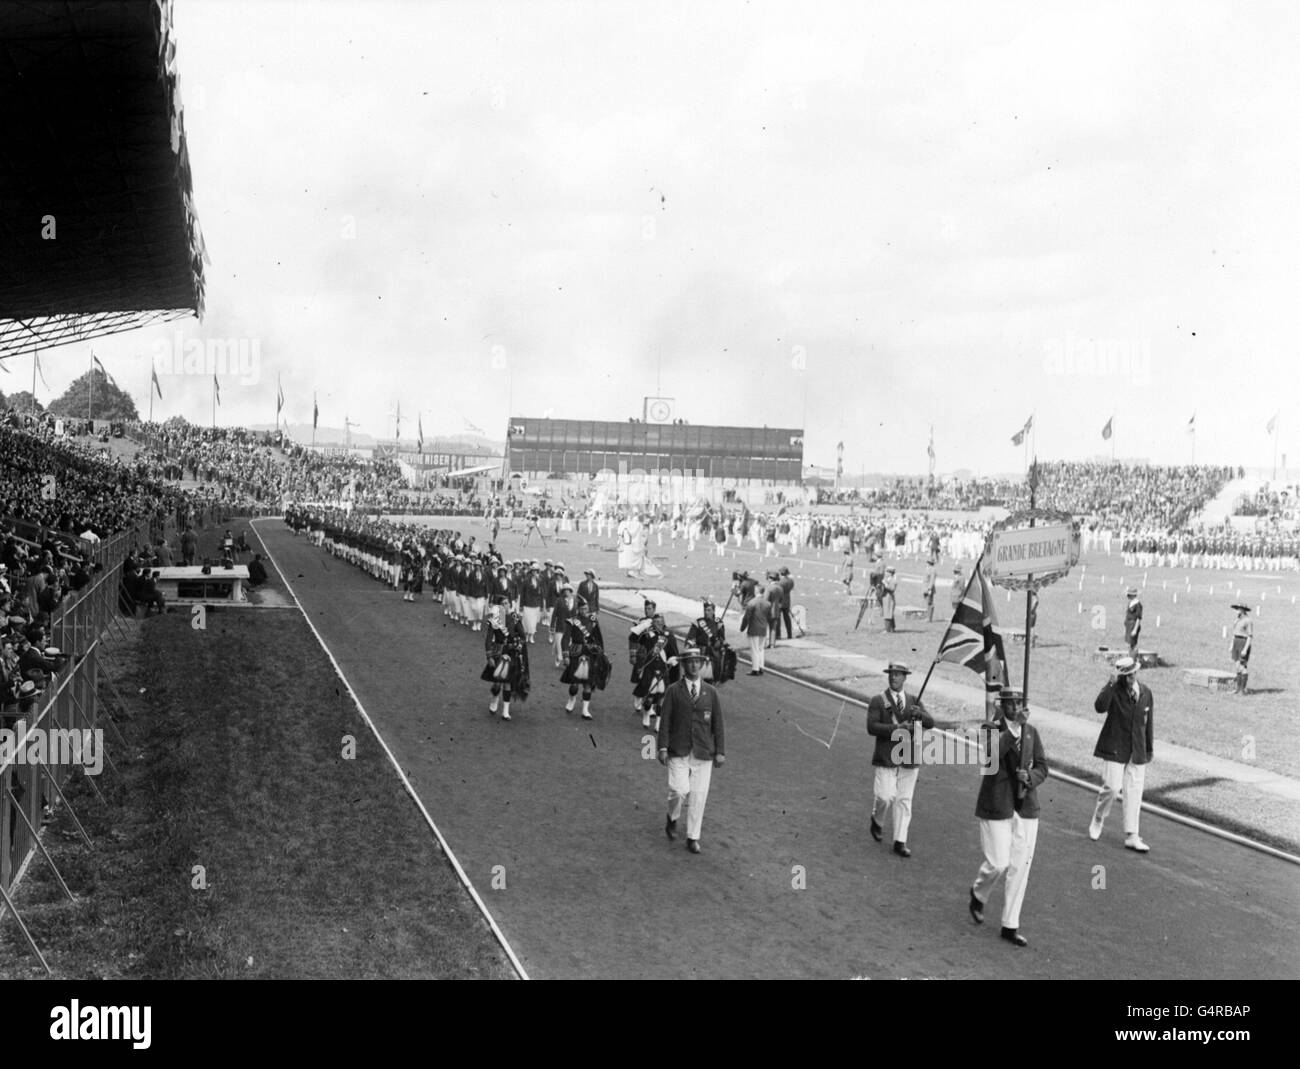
{"points": [[709, 634], [691, 745], [1243, 638], [888, 597], [585, 643], [927, 589], [1133, 621], [1125, 746], [787, 591], [892, 717], [1008, 809], [589, 590], [774, 599]]}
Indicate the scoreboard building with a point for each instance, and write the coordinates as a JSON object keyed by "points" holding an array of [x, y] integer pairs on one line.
{"points": [[572, 448]]}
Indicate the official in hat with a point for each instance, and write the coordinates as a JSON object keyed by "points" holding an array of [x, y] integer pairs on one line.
{"points": [[1126, 746], [895, 719], [691, 744], [1008, 811]]}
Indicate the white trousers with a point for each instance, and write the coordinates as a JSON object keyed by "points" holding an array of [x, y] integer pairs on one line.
{"points": [[1008, 847], [756, 644], [1132, 777], [688, 777], [895, 787]]}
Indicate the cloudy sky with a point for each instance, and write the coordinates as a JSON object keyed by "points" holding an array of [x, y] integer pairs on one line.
{"points": [[865, 219]]}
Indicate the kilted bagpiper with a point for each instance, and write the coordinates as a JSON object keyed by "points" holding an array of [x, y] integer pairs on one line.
{"points": [[588, 668], [709, 634], [656, 668], [507, 659]]}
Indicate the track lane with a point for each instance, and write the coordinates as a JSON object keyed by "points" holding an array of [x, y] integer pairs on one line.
{"points": [[572, 814]]}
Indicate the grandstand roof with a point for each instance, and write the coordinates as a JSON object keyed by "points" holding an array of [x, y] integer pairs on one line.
{"points": [[95, 139]]}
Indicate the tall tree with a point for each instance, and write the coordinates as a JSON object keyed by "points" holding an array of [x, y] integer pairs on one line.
{"points": [[22, 403], [109, 401]]}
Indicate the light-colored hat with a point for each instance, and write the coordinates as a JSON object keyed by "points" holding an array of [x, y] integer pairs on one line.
{"points": [[1125, 666], [897, 666]]}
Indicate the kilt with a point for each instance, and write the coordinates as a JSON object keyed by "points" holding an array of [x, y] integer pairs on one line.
{"points": [[599, 671], [517, 680]]}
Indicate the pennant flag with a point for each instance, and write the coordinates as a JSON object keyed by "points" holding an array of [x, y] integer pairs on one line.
{"points": [[473, 429], [216, 388], [973, 638], [153, 377], [315, 412], [1105, 431], [1191, 423], [40, 370], [1019, 437], [419, 433], [103, 370], [279, 396], [930, 449], [1272, 424]]}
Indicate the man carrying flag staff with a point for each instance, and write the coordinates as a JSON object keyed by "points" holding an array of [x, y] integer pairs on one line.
{"points": [[892, 719]]}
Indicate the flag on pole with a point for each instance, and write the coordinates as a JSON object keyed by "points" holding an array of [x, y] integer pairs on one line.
{"points": [[216, 388], [1019, 437], [40, 370], [930, 449], [153, 381], [1106, 430], [103, 370], [279, 396], [419, 433], [1272, 424], [315, 412], [973, 638], [1191, 424], [473, 429]]}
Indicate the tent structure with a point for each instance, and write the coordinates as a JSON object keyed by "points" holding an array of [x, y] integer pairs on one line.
{"points": [[99, 232]]}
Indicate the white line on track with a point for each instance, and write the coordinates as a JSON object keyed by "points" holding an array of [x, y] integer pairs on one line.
{"points": [[1149, 807], [515, 963]]}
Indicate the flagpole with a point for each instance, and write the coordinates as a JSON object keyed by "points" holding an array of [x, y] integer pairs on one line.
{"points": [[90, 401], [1029, 579], [315, 415], [150, 388], [1112, 437], [1275, 422], [33, 380]]}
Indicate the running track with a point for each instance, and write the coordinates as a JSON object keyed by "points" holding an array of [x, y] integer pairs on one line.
{"points": [[570, 815]]}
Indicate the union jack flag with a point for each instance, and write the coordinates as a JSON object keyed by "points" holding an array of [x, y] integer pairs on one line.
{"points": [[973, 638]]}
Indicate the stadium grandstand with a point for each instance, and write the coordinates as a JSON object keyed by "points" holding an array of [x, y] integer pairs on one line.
{"points": [[731, 456]]}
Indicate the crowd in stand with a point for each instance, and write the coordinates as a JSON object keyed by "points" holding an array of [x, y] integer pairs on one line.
{"points": [[1270, 502], [1125, 496]]}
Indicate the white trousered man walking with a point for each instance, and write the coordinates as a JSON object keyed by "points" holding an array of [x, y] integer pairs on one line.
{"points": [[691, 744], [1008, 814]]}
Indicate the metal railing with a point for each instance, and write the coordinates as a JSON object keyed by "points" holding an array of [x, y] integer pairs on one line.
{"points": [[29, 779]]}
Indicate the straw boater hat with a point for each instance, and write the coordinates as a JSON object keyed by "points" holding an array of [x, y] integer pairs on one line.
{"points": [[1125, 666], [896, 666], [692, 653], [1241, 608], [1131, 592]]}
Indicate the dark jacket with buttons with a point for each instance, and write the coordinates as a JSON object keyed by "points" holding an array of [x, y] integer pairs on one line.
{"points": [[892, 726], [1001, 793], [1129, 732], [689, 728]]}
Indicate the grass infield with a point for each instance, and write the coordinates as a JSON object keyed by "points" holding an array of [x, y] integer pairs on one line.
{"points": [[315, 866]]}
